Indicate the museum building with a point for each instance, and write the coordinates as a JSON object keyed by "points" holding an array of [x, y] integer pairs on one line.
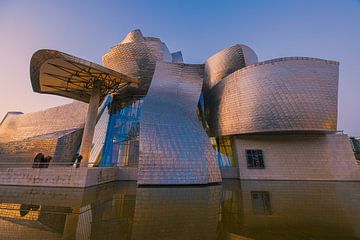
{"points": [[160, 121]]}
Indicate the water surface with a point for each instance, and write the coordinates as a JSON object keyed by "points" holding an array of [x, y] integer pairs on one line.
{"points": [[233, 210]]}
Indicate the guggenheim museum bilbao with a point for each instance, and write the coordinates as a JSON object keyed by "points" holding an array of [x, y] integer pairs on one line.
{"points": [[158, 120]]}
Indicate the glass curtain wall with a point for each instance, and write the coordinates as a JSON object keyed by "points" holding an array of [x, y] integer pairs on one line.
{"points": [[121, 146], [222, 145]]}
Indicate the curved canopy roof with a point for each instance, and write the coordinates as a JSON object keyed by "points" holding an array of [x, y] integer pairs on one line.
{"points": [[58, 73]]}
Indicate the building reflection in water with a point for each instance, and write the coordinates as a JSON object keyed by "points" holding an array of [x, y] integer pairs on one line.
{"points": [[233, 210]]}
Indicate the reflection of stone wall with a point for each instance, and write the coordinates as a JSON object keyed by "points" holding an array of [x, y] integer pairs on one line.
{"points": [[233, 210], [174, 147], [33, 231], [176, 213], [318, 210], [299, 157]]}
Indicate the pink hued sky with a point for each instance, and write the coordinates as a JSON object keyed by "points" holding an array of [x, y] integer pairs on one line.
{"points": [[87, 29]]}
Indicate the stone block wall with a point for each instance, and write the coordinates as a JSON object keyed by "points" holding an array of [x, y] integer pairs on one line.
{"points": [[57, 176], [319, 210], [299, 157], [127, 173]]}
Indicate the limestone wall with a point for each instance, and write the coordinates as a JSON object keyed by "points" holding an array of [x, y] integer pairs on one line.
{"points": [[299, 157], [57, 176]]}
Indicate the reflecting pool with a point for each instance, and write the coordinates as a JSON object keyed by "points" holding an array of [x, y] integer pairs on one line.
{"points": [[233, 210]]}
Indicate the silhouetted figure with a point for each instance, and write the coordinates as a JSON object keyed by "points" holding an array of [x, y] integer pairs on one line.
{"points": [[39, 158], [46, 162], [78, 161], [25, 208]]}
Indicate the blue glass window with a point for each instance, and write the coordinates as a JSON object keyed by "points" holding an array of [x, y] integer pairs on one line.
{"points": [[122, 138]]}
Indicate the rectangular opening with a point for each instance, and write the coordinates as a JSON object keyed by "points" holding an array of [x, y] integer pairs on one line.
{"points": [[255, 158]]}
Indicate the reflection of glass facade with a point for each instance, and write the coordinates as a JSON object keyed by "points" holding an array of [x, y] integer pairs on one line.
{"points": [[222, 145], [122, 138]]}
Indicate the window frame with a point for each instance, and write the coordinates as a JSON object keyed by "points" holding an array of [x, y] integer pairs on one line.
{"points": [[252, 156]]}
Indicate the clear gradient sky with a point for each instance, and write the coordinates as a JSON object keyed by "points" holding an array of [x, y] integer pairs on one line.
{"points": [[328, 29]]}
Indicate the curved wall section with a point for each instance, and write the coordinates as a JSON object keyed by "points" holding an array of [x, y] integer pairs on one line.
{"points": [[226, 62], [136, 56], [286, 94], [174, 147]]}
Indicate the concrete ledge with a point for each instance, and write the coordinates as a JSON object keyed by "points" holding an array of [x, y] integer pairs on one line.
{"points": [[57, 177], [127, 173], [229, 172]]}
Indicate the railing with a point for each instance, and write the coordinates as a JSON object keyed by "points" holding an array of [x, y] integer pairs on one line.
{"points": [[45, 165]]}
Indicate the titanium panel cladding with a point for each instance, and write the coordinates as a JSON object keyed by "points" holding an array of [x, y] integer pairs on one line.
{"points": [[174, 147], [286, 94], [136, 56], [226, 62]]}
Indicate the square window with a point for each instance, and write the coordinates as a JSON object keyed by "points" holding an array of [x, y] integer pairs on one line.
{"points": [[254, 158]]}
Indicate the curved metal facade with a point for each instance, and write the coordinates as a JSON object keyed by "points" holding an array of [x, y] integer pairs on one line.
{"points": [[136, 56], [286, 94], [226, 62], [174, 148]]}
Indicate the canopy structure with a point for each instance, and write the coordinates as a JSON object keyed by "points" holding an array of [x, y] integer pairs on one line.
{"points": [[58, 73]]}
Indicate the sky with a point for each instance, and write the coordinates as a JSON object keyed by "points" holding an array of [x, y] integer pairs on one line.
{"points": [[199, 28]]}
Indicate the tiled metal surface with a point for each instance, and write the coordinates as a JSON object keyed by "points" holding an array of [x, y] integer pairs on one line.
{"points": [[286, 94], [226, 62], [65, 117], [172, 213], [174, 148], [136, 56]]}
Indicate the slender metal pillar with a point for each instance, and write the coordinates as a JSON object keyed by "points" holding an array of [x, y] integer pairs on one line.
{"points": [[89, 127]]}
